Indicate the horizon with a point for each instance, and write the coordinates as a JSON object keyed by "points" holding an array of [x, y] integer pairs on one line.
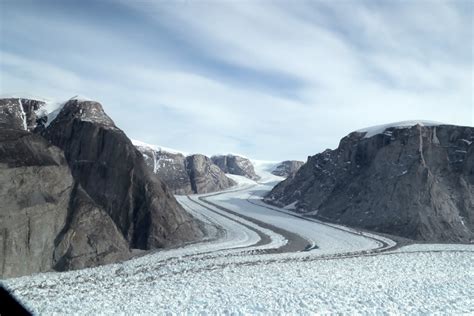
{"points": [[303, 78]]}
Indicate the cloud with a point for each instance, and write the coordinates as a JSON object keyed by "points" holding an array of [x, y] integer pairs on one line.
{"points": [[272, 80], [34, 76]]}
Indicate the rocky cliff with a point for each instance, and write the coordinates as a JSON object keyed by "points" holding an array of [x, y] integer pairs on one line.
{"points": [[287, 168], [235, 165], [205, 175], [77, 193], [413, 181], [184, 174]]}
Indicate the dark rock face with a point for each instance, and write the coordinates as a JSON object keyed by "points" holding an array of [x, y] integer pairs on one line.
{"points": [[42, 224], [18, 113], [113, 173], [415, 182], [205, 175], [287, 168], [30, 108], [89, 237], [12, 114], [169, 167], [79, 194], [236, 165], [185, 175], [35, 188]]}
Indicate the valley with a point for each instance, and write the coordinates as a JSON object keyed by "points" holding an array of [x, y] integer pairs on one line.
{"points": [[256, 258]]}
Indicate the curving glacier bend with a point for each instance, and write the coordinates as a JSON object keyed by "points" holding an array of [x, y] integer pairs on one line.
{"points": [[260, 259]]}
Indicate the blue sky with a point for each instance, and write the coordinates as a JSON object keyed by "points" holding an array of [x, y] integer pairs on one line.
{"points": [[271, 80]]}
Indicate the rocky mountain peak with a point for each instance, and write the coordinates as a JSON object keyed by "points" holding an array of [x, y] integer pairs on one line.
{"points": [[85, 110], [415, 181], [77, 193], [184, 174], [287, 168], [237, 165]]}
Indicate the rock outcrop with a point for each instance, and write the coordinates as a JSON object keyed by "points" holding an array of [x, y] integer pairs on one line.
{"points": [[77, 193], [35, 190], [287, 168], [235, 165], [205, 175], [412, 181], [191, 174], [20, 113]]}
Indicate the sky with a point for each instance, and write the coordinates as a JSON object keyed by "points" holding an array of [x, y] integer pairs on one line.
{"points": [[271, 80]]}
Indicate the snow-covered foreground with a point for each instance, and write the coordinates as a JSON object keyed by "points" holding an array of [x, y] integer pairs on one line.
{"points": [[258, 259], [401, 283]]}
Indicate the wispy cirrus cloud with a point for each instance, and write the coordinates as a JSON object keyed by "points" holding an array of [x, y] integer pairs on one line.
{"points": [[272, 80]]}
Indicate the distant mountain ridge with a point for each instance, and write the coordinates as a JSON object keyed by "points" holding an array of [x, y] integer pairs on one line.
{"points": [[287, 168], [196, 173], [237, 165], [184, 174], [414, 180]]}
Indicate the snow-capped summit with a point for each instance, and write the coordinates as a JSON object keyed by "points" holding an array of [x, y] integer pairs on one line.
{"points": [[412, 179], [379, 129], [237, 165], [157, 148], [75, 182], [33, 112], [85, 110], [80, 98]]}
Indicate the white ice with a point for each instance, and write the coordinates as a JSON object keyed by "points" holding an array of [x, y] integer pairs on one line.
{"points": [[379, 129], [138, 143]]}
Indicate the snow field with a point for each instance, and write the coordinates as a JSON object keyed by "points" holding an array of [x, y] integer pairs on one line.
{"points": [[413, 283]]}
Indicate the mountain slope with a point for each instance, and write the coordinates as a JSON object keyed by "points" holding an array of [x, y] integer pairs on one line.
{"points": [[112, 171], [287, 168], [77, 193], [414, 181], [237, 165]]}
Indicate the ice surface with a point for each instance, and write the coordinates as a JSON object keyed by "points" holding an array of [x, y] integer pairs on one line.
{"points": [[401, 283]]}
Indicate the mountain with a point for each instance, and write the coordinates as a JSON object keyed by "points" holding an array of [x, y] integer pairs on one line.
{"points": [[237, 165], [412, 179], [76, 192], [287, 168], [184, 174], [205, 175]]}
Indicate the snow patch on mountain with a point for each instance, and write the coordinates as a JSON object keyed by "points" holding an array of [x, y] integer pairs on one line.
{"points": [[230, 154], [50, 110], [379, 129], [138, 143], [23, 115], [81, 98], [20, 95]]}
